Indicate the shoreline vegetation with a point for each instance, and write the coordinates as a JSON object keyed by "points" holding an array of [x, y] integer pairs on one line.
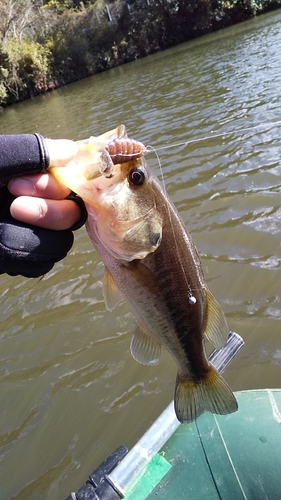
{"points": [[45, 44]]}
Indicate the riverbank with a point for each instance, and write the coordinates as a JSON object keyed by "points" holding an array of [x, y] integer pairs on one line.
{"points": [[56, 46]]}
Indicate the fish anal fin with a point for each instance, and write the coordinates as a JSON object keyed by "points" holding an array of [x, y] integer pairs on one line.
{"points": [[144, 348], [215, 327], [194, 397], [110, 291]]}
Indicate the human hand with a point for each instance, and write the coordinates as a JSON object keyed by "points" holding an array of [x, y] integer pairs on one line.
{"points": [[40, 199], [42, 233]]}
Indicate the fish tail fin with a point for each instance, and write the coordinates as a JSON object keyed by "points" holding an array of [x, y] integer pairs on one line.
{"points": [[194, 397]]}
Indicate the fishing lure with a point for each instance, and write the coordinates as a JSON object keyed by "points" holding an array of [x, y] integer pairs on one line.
{"points": [[120, 150]]}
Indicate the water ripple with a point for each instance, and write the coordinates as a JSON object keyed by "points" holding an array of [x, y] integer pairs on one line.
{"points": [[211, 108]]}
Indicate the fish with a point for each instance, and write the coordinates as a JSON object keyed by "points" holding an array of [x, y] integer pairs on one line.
{"points": [[152, 262]]}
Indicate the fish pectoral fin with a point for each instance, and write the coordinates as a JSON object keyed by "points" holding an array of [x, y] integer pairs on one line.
{"points": [[215, 327], [110, 291], [144, 348], [194, 397]]}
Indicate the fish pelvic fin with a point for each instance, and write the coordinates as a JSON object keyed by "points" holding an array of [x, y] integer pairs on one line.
{"points": [[144, 348], [215, 327], [110, 291], [194, 397]]}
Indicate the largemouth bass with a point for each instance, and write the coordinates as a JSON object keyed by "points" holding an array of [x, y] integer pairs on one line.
{"points": [[152, 262]]}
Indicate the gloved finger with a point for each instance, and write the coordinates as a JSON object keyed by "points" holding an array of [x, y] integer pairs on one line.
{"points": [[40, 185], [44, 213], [22, 154]]}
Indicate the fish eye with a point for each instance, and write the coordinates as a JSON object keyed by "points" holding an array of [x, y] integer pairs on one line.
{"points": [[137, 176]]}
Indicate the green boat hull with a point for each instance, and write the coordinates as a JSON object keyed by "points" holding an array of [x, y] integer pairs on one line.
{"points": [[231, 457], [217, 457]]}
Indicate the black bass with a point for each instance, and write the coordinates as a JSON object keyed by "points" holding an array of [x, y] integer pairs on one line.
{"points": [[151, 261]]}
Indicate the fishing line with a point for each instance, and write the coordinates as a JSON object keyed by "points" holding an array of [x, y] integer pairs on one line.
{"points": [[191, 299], [151, 148], [214, 136]]}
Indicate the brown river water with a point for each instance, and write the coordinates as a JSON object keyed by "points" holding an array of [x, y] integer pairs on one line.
{"points": [[70, 392]]}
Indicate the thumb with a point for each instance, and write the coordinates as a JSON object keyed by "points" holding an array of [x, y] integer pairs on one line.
{"points": [[61, 151]]}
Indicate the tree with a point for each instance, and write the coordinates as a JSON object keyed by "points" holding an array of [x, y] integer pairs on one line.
{"points": [[16, 17]]}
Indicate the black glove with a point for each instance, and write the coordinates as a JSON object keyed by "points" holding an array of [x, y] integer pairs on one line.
{"points": [[24, 249]]}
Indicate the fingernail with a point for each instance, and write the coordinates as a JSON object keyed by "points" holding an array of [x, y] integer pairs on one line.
{"points": [[26, 209], [21, 185]]}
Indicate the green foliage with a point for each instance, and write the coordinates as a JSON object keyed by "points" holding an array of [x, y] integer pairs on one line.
{"points": [[58, 5], [79, 46], [49, 43], [26, 68], [69, 49]]}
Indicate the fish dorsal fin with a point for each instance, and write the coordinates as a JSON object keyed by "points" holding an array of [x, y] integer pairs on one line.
{"points": [[144, 348], [215, 327], [121, 131], [110, 291]]}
